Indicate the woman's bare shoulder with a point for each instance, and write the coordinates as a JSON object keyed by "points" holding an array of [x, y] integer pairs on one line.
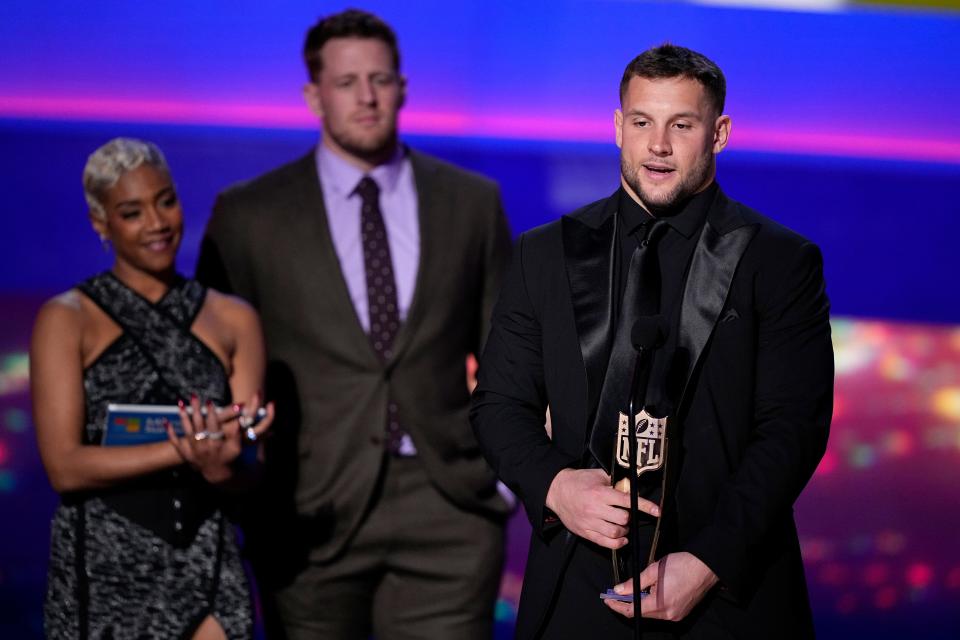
{"points": [[60, 317], [63, 307]]}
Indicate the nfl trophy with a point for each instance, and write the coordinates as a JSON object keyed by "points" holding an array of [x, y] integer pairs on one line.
{"points": [[650, 454]]}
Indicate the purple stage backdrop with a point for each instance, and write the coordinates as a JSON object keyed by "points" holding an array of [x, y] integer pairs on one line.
{"points": [[845, 129]]}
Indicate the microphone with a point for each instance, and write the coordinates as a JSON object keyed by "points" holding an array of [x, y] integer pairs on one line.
{"points": [[647, 335]]}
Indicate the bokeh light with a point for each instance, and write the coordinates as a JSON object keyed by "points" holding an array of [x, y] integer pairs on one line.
{"points": [[946, 402], [16, 420], [919, 575], [14, 373], [7, 481]]}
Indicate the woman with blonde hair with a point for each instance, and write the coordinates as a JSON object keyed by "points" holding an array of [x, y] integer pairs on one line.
{"points": [[139, 544]]}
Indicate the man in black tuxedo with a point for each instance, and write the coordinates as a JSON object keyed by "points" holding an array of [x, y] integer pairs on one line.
{"points": [[374, 269], [745, 375]]}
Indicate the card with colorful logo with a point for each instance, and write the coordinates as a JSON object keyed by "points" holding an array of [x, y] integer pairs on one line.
{"points": [[129, 424]]}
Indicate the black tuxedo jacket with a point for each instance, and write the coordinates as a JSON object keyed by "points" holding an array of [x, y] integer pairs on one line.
{"points": [[755, 351], [269, 242]]}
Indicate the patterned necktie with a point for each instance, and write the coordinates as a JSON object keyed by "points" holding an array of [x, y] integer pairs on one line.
{"points": [[382, 305], [641, 297]]}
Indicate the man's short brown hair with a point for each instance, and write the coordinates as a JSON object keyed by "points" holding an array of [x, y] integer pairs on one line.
{"points": [[671, 61], [352, 23]]}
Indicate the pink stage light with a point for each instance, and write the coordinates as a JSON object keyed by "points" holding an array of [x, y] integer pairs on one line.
{"points": [[819, 141]]}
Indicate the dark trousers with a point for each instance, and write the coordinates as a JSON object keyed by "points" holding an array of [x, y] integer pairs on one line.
{"points": [[577, 611], [418, 567]]}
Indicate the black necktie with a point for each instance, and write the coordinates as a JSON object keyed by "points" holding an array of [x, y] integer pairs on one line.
{"points": [[641, 297], [382, 305]]}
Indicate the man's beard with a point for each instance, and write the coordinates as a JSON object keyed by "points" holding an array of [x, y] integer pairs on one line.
{"points": [[674, 199], [370, 149]]}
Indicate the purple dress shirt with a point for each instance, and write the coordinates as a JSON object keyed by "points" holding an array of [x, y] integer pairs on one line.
{"points": [[398, 203]]}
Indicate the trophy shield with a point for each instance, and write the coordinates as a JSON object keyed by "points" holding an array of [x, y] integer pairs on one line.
{"points": [[651, 437]]}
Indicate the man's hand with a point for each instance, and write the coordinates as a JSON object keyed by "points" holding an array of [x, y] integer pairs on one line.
{"points": [[677, 582], [590, 508]]}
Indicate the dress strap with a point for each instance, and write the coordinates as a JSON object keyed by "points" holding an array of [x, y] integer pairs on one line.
{"points": [[161, 332]]}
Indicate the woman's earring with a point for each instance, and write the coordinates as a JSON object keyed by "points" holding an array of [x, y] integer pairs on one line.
{"points": [[105, 243]]}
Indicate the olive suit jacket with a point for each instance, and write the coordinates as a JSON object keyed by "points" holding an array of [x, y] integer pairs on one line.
{"points": [[268, 241], [756, 359]]}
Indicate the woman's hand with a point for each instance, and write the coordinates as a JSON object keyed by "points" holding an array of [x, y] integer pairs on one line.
{"points": [[251, 430], [213, 439]]}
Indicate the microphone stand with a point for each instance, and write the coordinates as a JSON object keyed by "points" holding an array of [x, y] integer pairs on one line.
{"points": [[647, 335], [641, 374]]}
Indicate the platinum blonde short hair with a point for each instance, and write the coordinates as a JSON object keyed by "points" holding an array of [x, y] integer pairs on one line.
{"points": [[107, 164]]}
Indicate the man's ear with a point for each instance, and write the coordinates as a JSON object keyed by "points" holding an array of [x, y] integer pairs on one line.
{"points": [[721, 133], [311, 95], [618, 127]]}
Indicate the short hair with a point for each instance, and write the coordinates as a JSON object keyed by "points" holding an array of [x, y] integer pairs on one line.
{"points": [[352, 23], [672, 61], [106, 166]]}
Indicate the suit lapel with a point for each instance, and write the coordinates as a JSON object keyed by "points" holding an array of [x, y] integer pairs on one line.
{"points": [[433, 198], [723, 240], [319, 259], [590, 255]]}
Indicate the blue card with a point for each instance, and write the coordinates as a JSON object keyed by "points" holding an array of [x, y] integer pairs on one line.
{"points": [[130, 424], [610, 594]]}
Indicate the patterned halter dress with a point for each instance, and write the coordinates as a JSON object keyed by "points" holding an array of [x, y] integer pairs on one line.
{"points": [[154, 556]]}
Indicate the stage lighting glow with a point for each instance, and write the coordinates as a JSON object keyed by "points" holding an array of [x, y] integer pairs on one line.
{"points": [[896, 394], [14, 372], [16, 420], [875, 574], [919, 575], [898, 442], [780, 5], [946, 402], [828, 464], [854, 346], [861, 456], [890, 543], [816, 550], [895, 367], [785, 91], [7, 481]]}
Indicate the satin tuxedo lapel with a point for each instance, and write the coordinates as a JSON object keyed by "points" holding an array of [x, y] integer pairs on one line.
{"points": [[723, 240], [589, 241], [313, 244], [590, 256]]}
